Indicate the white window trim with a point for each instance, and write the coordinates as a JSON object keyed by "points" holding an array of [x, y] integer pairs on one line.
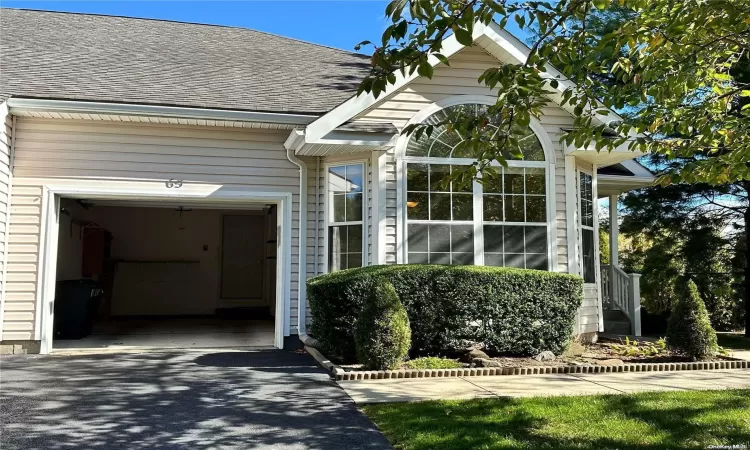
{"points": [[548, 164], [327, 210]]}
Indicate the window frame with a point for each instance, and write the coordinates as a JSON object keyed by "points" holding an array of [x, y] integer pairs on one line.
{"points": [[549, 166], [593, 227], [327, 223]]}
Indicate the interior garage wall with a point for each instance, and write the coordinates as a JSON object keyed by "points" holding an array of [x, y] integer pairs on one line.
{"points": [[48, 150], [164, 242]]}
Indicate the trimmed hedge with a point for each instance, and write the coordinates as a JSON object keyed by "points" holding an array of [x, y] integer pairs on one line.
{"points": [[512, 311], [383, 335]]}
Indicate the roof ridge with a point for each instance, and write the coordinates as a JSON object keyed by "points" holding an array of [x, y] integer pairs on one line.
{"points": [[186, 23]]}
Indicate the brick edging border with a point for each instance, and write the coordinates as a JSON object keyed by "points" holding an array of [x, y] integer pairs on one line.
{"points": [[340, 374]]}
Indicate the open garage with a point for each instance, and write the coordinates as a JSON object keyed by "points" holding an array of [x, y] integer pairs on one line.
{"points": [[161, 274]]}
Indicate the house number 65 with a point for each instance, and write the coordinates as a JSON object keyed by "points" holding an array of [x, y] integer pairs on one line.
{"points": [[172, 183]]}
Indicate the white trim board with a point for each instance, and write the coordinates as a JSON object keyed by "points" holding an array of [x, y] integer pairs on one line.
{"points": [[224, 199]]}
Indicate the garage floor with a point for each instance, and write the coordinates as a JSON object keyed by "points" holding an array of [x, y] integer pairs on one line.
{"points": [[182, 333]]}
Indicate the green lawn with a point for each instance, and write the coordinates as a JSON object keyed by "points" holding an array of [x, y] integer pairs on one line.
{"points": [[736, 341], [646, 421]]}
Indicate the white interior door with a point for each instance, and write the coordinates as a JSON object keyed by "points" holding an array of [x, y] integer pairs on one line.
{"points": [[242, 258]]}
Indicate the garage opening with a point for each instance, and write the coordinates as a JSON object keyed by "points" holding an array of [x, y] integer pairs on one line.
{"points": [[152, 275]]}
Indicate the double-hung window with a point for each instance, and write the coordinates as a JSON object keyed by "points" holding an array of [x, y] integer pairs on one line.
{"points": [[586, 214], [345, 190], [501, 221]]}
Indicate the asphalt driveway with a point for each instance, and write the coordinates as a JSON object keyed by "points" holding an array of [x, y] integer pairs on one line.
{"points": [[247, 400]]}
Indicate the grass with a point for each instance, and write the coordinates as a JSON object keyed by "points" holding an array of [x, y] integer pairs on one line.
{"points": [[735, 341], [432, 362], [645, 421]]}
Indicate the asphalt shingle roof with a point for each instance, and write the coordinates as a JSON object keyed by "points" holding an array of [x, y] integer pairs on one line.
{"points": [[126, 60]]}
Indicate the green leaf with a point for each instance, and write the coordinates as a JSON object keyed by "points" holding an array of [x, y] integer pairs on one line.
{"points": [[425, 70], [463, 37], [601, 4]]}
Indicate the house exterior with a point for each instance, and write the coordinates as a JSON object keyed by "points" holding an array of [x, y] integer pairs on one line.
{"points": [[112, 109]]}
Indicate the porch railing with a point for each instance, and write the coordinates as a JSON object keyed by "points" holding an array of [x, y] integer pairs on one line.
{"points": [[621, 291]]}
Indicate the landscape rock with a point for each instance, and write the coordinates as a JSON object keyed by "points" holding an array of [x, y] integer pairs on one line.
{"points": [[485, 362], [545, 356], [610, 362], [473, 354]]}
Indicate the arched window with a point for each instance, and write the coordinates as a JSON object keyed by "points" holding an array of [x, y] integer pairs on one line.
{"points": [[501, 221]]}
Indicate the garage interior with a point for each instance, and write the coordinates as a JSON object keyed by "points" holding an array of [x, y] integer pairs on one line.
{"points": [[155, 275]]}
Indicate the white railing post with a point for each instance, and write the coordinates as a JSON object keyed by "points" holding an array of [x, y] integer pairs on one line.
{"points": [[612, 285], [634, 302]]}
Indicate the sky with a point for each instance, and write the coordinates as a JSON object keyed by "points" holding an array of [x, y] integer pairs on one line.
{"points": [[340, 24]]}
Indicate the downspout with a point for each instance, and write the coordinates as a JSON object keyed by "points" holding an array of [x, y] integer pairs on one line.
{"points": [[317, 212], [302, 271]]}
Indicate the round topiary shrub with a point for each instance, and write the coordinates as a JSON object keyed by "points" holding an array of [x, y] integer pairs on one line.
{"points": [[383, 335], [689, 331]]}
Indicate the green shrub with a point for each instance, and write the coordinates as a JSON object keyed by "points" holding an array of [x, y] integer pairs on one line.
{"points": [[512, 311], [433, 362], [689, 331], [382, 335]]}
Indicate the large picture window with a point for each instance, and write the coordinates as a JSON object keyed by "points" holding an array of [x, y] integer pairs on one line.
{"points": [[586, 199], [500, 221], [345, 212]]}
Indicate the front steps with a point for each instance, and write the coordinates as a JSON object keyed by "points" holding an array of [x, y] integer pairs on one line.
{"points": [[616, 322]]}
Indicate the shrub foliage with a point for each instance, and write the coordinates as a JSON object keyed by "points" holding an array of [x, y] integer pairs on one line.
{"points": [[689, 331], [382, 334], [511, 311]]}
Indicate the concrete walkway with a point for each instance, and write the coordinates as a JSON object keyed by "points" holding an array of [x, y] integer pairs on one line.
{"points": [[408, 390]]}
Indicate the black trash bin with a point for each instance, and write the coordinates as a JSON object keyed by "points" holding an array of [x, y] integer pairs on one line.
{"points": [[76, 303]]}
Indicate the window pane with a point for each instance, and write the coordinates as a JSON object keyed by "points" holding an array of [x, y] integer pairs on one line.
{"points": [[354, 178], [515, 260], [338, 208], [440, 150], [535, 181], [418, 147], [337, 248], [418, 236], [337, 179], [440, 206], [493, 240], [353, 207], [418, 258], [537, 261], [440, 238], [589, 268], [494, 259], [513, 208], [493, 208], [416, 177], [462, 259], [440, 258], [513, 179], [354, 239], [513, 239], [536, 240], [354, 260], [463, 206], [417, 206], [536, 209], [462, 239], [440, 177], [492, 182]]}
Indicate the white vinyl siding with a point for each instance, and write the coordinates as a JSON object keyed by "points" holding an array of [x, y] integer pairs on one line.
{"points": [[48, 150], [461, 79], [6, 133]]}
